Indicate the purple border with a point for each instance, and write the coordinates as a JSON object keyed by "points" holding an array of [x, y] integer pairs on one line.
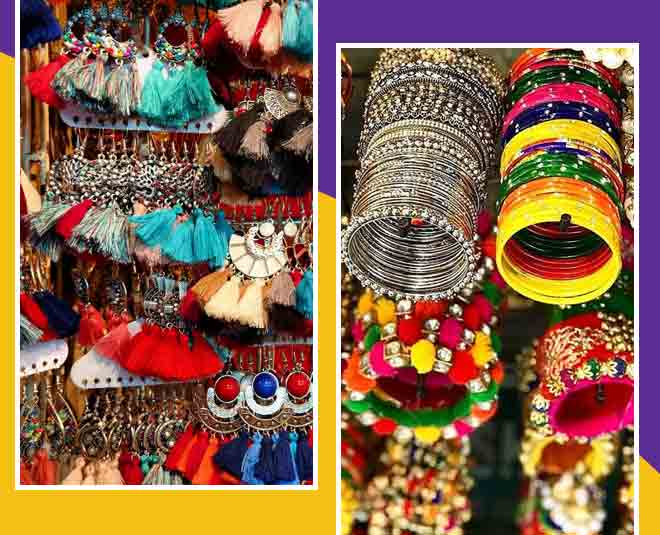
{"points": [[343, 21], [7, 27]]}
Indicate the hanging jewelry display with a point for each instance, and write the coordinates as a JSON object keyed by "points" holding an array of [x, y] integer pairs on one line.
{"points": [[422, 172], [183, 277]]}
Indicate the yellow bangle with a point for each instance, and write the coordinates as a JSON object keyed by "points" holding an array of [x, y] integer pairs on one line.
{"points": [[566, 292], [567, 129]]}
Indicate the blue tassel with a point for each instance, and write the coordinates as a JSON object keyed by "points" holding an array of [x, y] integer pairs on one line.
{"points": [[38, 24], [284, 467], [265, 468], [155, 228], [305, 295], [179, 245], [290, 25], [30, 333], [250, 462], [208, 245], [304, 459], [293, 448], [230, 456], [305, 41], [222, 226], [61, 317]]}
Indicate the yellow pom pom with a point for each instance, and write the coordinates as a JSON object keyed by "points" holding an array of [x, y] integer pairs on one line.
{"points": [[385, 311], [365, 303], [427, 435], [422, 355], [482, 350]]}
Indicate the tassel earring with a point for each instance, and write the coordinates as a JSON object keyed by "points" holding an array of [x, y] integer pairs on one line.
{"points": [[208, 286], [224, 302], [155, 228], [61, 317], [249, 464], [30, 333], [282, 290], [39, 82], [305, 295], [251, 310], [240, 23], [179, 245], [208, 245]]}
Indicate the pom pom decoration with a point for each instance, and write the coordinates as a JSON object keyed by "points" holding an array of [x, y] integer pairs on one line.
{"points": [[422, 355]]}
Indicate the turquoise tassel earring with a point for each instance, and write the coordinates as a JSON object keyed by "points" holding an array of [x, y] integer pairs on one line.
{"points": [[290, 25], [305, 295], [208, 244], [155, 228], [179, 245]]}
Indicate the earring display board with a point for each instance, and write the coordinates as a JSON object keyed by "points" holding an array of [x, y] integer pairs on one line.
{"points": [[534, 388], [167, 271]]}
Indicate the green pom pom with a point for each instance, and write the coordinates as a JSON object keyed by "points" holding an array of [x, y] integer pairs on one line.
{"points": [[372, 336], [496, 343], [492, 293]]}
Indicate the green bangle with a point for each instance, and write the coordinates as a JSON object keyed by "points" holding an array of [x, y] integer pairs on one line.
{"points": [[554, 165], [557, 248], [560, 74]]}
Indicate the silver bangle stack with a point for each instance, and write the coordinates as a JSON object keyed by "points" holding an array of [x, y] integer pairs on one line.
{"points": [[426, 147]]}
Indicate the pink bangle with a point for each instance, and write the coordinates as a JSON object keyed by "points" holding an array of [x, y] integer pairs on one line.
{"points": [[572, 92]]}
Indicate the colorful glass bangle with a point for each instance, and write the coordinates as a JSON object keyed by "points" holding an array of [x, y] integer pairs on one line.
{"points": [[565, 166], [553, 291], [559, 146], [573, 63], [554, 75], [560, 110], [563, 92], [561, 129], [533, 55]]}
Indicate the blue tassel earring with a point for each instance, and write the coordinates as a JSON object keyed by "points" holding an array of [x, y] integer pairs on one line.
{"points": [[284, 468], [305, 295], [38, 24], [61, 317], [222, 226], [250, 461], [290, 25], [304, 459], [230, 457], [265, 469]]}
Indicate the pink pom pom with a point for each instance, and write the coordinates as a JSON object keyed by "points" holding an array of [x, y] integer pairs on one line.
{"points": [[484, 306], [497, 280], [484, 224], [450, 333], [357, 331], [378, 362], [462, 428]]}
